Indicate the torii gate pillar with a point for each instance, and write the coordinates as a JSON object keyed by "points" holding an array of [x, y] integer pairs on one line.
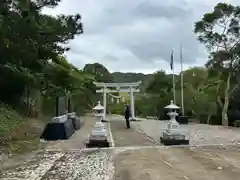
{"points": [[132, 103], [104, 103]]}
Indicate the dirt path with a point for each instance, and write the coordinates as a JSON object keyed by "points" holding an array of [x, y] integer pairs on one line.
{"points": [[178, 164], [127, 137]]}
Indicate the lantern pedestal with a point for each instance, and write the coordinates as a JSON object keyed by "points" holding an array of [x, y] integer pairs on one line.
{"points": [[92, 143], [173, 135]]}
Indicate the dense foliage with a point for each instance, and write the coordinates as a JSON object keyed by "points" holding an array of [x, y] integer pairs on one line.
{"points": [[33, 69], [219, 31], [32, 46]]}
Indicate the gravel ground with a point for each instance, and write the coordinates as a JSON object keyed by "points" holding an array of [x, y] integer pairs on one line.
{"points": [[199, 134], [135, 157], [81, 165], [132, 163]]}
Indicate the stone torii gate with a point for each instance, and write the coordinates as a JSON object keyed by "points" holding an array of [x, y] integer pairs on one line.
{"points": [[120, 87]]}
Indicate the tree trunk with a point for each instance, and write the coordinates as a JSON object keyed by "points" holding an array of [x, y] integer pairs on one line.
{"points": [[226, 102], [208, 119], [219, 103]]}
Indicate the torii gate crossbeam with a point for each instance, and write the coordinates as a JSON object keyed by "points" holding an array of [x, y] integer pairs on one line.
{"points": [[128, 87]]}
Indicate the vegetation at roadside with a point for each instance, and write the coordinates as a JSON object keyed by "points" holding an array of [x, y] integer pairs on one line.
{"points": [[33, 68]]}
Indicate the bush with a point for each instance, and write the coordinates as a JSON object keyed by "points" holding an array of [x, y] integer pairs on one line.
{"points": [[17, 133]]}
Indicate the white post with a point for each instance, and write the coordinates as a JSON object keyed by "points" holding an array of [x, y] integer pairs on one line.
{"points": [[182, 98], [132, 102], [104, 102], [174, 93]]}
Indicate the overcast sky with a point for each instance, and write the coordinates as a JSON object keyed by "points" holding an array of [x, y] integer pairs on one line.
{"points": [[136, 35]]}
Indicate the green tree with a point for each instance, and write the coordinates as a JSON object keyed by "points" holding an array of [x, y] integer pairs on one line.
{"points": [[219, 31], [157, 94], [31, 51]]}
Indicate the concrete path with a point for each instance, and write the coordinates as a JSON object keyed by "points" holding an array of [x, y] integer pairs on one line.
{"points": [[128, 137], [162, 163]]}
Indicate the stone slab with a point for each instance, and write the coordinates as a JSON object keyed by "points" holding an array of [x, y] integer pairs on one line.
{"points": [[173, 135], [169, 139], [172, 142], [97, 143], [97, 138]]}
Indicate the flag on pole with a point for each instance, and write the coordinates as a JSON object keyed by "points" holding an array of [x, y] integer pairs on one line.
{"points": [[171, 62]]}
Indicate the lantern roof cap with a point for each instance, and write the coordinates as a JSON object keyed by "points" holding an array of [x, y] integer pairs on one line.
{"points": [[98, 106], [172, 106]]}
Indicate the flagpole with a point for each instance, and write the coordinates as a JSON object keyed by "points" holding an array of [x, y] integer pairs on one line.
{"points": [[182, 97], [173, 77], [174, 94]]}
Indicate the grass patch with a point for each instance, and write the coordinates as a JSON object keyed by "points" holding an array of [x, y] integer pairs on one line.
{"points": [[18, 134], [9, 121]]}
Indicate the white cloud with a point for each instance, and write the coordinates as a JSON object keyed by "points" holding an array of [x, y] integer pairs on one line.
{"points": [[136, 35]]}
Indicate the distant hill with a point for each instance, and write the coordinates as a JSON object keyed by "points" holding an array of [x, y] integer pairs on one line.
{"points": [[103, 75], [130, 77]]}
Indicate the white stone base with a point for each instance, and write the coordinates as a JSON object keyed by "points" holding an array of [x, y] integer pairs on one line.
{"points": [[175, 135], [98, 138]]}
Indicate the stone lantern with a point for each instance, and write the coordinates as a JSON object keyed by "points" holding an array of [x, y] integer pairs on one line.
{"points": [[98, 112], [98, 137], [173, 135]]}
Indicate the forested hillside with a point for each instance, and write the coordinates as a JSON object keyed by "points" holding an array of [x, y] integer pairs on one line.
{"points": [[130, 77]]}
